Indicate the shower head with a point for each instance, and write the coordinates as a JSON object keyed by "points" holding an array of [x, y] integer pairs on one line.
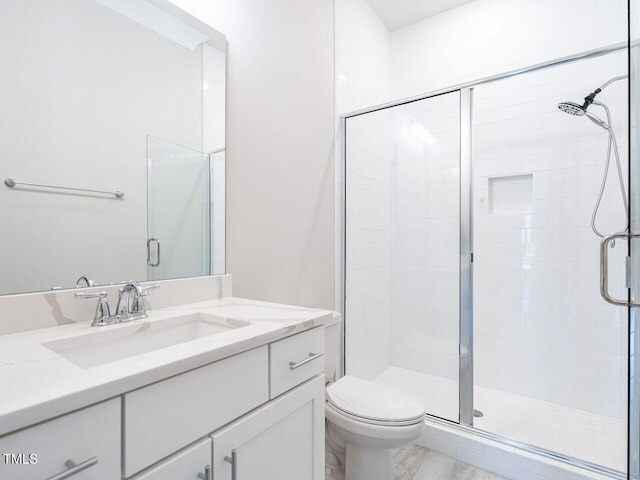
{"points": [[581, 110], [572, 108]]}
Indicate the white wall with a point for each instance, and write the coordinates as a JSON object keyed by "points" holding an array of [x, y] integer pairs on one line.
{"points": [[280, 146]]}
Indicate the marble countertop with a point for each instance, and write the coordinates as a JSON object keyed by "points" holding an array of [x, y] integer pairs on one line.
{"points": [[36, 383]]}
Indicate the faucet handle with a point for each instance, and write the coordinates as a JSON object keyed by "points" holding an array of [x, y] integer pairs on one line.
{"points": [[138, 301], [144, 289], [103, 312], [85, 295]]}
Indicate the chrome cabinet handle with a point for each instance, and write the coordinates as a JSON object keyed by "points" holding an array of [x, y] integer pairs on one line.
{"points": [[233, 460], [149, 252], [604, 268], [312, 357], [207, 473], [74, 468]]}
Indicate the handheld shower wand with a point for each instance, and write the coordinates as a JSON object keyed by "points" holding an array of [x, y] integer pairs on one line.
{"points": [[581, 110]]}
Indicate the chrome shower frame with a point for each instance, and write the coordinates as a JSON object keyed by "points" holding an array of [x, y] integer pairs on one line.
{"points": [[466, 246]]}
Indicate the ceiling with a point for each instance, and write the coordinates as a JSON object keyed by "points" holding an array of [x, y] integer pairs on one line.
{"points": [[400, 13]]}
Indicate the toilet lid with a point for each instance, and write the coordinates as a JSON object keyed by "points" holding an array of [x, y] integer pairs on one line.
{"points": [[374, 401]]}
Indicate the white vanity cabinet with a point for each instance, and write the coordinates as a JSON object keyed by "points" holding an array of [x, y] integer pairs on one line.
{"points": [[282, 440], [90, 438], [258, 414]]}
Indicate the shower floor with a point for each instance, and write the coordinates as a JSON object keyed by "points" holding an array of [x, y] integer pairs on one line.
{"points": [[588, 436]]}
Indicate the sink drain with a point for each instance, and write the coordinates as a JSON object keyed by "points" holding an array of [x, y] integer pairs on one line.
{"points": [[478, 414]]}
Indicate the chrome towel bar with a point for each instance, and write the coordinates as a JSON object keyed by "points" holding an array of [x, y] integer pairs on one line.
{"points": [[10, 182]]}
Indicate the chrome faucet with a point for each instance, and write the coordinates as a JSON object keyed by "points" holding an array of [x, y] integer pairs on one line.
{"points": [[85, 281], [131, 301], [130, 304]]}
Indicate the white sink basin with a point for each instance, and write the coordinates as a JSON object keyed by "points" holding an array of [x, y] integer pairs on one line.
{"points": [[112, 343]]}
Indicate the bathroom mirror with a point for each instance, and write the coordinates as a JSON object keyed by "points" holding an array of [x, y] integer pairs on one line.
{"points": [[112, 138]]}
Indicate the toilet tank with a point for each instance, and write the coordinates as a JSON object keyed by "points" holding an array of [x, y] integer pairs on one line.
{"points": [[333, 349]]}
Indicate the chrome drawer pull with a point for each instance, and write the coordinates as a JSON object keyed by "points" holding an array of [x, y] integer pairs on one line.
{"points": [[73, 468], [312, 356], [233, 460], [207, 473]]}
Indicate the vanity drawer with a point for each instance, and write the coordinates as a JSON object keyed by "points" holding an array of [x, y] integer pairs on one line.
{"points": [[166, 416], [295, 359], [83, 437]]}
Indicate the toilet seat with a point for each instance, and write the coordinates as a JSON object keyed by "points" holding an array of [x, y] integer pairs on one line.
{"points": [[373, 403], [373, 422]]}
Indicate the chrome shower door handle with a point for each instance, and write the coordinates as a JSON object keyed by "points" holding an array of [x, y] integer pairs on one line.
{"points": [[604, 268], [157, 242]]}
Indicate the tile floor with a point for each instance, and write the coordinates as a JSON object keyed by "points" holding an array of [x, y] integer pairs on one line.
{"points": [[413, 462]]}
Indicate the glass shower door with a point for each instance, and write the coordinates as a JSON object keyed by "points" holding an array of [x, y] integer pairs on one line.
{"points": [[403, 249], [550, 364], [634, 316], [178, 243]]}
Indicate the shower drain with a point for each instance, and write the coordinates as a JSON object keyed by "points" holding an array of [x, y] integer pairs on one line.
{"points": [[478, 414]]}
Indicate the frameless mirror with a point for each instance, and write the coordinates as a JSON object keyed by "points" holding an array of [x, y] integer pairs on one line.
{"points": [[112, 139]]}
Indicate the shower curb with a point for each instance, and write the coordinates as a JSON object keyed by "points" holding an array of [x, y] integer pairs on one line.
{"points": [[500, 458]]}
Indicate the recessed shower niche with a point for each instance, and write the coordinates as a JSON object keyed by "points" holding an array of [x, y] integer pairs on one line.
{"points": [[511, 195]]}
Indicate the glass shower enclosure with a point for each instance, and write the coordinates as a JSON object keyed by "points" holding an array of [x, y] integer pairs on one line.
{"points": [[178, 211], [472, 268]]}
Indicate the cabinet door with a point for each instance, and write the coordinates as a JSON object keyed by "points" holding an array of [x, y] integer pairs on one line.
{"points": [[282, 440], [88, 438], [187, 464]]}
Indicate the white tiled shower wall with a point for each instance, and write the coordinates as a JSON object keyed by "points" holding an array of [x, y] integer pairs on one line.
{"points": [[362, 66], [486, 37], [426, 233], [369, 218], [541, 329], [483, 38]]}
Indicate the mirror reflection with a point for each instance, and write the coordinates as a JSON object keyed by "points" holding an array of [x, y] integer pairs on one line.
{"points": [[99, 97]]}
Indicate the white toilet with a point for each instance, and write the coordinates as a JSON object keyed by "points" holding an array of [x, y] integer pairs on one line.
{"points": [[365, 420]]}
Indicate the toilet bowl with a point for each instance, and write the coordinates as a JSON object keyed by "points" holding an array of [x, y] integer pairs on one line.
{"points": [[364, 422]]}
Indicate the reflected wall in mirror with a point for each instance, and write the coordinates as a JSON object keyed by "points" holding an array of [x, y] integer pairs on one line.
{"points": [[85, 85]]}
